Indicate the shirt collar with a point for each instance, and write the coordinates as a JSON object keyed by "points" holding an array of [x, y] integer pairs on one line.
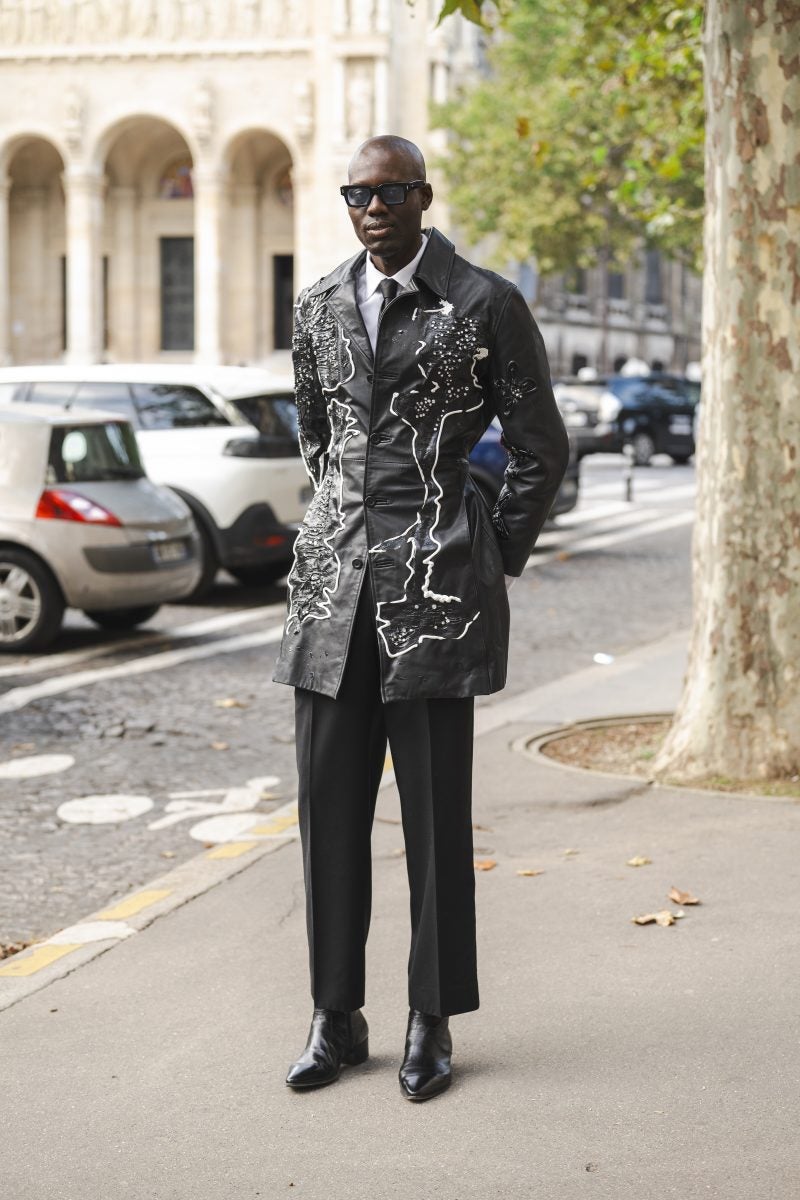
{"points": [[374, 278]]}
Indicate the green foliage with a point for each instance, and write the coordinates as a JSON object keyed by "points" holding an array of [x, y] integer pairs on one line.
{"points": [[587, 134]]}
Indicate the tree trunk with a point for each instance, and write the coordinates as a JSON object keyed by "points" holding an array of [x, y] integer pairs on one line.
{"points": [[739, 715]]}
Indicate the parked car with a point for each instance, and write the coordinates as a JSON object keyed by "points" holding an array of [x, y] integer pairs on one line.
{"points": [[651, 414], [488, 462], [82, 526], [222, 438]]}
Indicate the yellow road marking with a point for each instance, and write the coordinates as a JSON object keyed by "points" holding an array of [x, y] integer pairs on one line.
{"points": [[134, 904], [40, 956], [276, 825], [230, 849]]}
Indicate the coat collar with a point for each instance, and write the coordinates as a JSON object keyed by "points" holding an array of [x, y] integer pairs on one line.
{"points": [[338, 289]]}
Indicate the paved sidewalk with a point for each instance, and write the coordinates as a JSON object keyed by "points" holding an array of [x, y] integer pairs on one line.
{"points": [[607, 1060]]}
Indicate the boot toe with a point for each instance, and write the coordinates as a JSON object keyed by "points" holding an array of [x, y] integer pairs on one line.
{"points": [[422, 1085]]}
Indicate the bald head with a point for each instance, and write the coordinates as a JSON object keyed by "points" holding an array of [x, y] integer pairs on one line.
{"points": [[398, 147]]}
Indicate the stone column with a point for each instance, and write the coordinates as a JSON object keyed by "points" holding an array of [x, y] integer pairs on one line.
{"points": [[124, 331], [83, 194], [5, 331], [209, 202]]}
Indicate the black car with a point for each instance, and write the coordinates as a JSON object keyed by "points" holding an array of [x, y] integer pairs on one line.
{"points": [[488, 462], [651, 414]]}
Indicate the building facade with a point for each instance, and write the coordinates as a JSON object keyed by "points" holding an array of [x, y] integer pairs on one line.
{"points": [[157, 158]]}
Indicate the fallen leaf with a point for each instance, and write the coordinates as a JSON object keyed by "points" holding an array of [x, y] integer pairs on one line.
{"points": [[681, 897], [664, 917], [566, 853], [528, 871], [484, 864], [639, 860], [167, 853], [230, 702], [219, 746], [562, 556]]}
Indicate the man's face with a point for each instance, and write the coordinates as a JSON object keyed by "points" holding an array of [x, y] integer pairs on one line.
{"points": [[390, 232]]}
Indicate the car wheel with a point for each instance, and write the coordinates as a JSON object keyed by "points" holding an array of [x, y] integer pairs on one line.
{"points": [[643, 448], [209, 564], [258, 576], [31, 604], [123, 618], [680, 460]]}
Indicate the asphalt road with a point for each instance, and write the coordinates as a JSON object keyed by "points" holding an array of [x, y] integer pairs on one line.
{"points": [[143, 723]]}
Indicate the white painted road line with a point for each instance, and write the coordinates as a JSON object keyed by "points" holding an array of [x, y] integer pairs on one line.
{"points": [[155, 637], [19, 697], [601, 541]]}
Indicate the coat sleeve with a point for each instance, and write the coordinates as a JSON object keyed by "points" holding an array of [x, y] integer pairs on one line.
{"points": [[312, 422], [533, 431]]}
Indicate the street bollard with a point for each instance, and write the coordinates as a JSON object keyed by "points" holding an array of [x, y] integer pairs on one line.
{"points": [[627, 474]]}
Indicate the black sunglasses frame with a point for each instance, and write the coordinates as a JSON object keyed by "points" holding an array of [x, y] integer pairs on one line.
{"points": [[379, 190]]}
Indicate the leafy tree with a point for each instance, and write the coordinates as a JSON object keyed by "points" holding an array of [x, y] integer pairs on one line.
{"points": [[586, 136]]}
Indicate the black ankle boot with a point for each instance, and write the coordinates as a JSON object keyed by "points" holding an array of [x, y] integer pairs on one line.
{"points": [[426, 1066], [334, 1038]]}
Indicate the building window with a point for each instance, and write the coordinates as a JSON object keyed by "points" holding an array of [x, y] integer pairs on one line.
{"points": [[177, 293], [616, 285], [283, 300], [653, 290], [284, 188], [176, 182]]}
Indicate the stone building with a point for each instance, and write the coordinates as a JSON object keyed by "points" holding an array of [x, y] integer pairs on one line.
{"points": [[157, 158], [649, 311]]}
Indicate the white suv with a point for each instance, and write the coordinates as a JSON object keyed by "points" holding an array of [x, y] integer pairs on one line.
{"points": [[223, 438]]}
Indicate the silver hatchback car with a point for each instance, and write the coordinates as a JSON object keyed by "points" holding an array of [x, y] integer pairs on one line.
{"points": [[82, 526]]}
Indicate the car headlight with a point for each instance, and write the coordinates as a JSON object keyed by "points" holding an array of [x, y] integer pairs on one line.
{"points": [[609, 407]]}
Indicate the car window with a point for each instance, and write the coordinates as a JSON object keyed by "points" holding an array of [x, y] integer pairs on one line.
{"points": [[93, 453], [10, 391], [630, 391], [174, 406], [669, 391], [114, 397], [272, 415], [52, 392]]}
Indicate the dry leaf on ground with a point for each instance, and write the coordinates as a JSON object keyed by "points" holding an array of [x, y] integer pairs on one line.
{"points": [[230, 702], [664, 917], [639, 860], [569, 851], [681, 897], [484, 864], [219, 745], [528, 871]]}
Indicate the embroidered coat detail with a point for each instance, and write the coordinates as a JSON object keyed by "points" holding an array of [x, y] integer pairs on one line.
{"points": [[386, 441]]}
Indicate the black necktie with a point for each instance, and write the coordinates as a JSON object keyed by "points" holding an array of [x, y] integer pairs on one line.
{"points": [[388, 289]]}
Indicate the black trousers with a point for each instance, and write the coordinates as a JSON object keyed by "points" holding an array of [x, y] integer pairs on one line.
{"points": [[341, 748]]}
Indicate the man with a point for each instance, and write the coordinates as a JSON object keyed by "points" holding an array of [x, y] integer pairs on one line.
{"points": [[397, 609]]}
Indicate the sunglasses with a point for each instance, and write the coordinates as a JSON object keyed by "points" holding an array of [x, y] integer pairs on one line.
{"points": [[359, 195]]}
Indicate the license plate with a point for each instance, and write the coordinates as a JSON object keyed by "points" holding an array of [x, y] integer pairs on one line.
{"points": [[169, 551], [680, 425]]}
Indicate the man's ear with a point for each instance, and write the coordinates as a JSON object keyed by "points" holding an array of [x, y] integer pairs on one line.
{"points": [[426, 195]]}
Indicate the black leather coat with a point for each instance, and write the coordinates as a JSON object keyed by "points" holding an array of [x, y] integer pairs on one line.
{"points": [[386, 442]]}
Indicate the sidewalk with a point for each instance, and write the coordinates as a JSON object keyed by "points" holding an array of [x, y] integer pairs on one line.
{"points": [[607, 1060]]}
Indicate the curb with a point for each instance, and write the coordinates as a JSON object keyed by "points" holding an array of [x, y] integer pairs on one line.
{"points": [[531, 746], [41, 964]]}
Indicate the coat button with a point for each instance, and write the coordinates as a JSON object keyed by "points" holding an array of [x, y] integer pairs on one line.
{"points": [[376, 439], [357, 564], [370, 377], [371, 501]]}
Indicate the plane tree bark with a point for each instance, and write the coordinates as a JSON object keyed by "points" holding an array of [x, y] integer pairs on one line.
{"points": [[739, 715]]}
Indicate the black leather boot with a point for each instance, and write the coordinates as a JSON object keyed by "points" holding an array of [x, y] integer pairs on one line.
{"points": [[426, 1066], [334, 1038]]}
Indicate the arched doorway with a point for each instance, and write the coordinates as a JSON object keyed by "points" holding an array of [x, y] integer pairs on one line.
{"points": [[258, 279], [36, 252], [148, 242]]}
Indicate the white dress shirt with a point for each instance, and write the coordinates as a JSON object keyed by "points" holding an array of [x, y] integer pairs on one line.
{"points": [[370, 298]]}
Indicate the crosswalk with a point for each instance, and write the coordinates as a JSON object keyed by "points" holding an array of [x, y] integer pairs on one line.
{"points": [[605, 518]]}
